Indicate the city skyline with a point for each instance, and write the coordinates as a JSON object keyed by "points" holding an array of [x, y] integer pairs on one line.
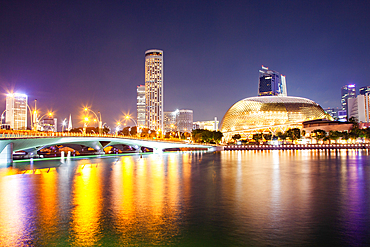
{"points": [[67, 55]]}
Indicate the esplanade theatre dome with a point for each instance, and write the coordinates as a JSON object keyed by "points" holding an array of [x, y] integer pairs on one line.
{"points": [[269, 113]]}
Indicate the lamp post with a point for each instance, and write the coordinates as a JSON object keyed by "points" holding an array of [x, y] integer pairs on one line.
{"points": [[86, 121], [117, 127], [64, 123], [128, 117], [2, 118], [98, 119], [38, 120]]}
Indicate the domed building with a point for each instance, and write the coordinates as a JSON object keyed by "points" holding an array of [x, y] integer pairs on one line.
{"points": [[269, 114]]}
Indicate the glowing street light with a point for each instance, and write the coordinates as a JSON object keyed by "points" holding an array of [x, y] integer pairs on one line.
{"points": [[97, 119], [128, 117]]}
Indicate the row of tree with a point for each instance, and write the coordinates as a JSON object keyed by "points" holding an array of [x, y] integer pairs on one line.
{"points": [[317, 134], [292, 134], [206, 136]]}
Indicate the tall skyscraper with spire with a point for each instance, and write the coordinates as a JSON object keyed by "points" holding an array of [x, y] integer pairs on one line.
{"points": [[154, 89]]}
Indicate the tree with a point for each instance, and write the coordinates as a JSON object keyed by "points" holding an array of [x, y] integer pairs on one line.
{"points": [[206, 136], [345, 135], [334, 135], [217, 136], [257, 137], [318, 134], [281, 135], [236, 137], [267, 137], [293, 134]]}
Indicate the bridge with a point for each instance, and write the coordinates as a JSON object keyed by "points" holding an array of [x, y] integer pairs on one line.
{"points": [[33, 142]]}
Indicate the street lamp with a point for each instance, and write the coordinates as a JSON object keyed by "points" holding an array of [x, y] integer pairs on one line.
{"points": [[98, 118], [128, 117], [117, 127], [86, 121], [38, 120], [64, 124]]}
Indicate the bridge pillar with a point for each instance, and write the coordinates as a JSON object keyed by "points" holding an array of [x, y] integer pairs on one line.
{"points": [[6, 156]]}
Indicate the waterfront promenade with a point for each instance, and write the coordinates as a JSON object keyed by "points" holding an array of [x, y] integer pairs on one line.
{"points": [[298, 146]]}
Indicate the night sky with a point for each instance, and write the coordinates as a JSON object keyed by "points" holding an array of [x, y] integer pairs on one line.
{"points": [[67, 54]]}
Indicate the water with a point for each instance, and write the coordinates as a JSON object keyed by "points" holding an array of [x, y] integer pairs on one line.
{"points": [[230, 198]]}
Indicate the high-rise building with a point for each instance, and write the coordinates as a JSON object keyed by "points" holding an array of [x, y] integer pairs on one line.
{"points": [[169, 121], [185, 121], [16, 111], [359, 108], [48, 124], [348, 91], [271, 83], [364, 90], [140, 105], [154, 89]]}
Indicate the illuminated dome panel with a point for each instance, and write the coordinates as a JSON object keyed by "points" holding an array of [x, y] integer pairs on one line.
{"points": [[269, 111]]}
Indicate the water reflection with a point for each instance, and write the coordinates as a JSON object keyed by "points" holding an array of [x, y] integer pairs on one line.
{"points": [[87, 202], [226, 198]]}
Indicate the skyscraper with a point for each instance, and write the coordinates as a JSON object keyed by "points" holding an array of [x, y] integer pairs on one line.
{"points": [[185, 121], [271, 83], [140, 105], [169, 121], [364, 90], [16, 111], [348, 91], [154, 89]]}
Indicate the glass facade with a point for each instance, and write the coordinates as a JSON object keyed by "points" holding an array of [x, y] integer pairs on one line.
{"points": [[268, 113], [348, 91], [16, 111], [271, 83]]}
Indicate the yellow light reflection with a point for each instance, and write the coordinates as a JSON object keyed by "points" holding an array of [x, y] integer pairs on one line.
{"points": [[87, 201], [48, 201], [123, 196]]}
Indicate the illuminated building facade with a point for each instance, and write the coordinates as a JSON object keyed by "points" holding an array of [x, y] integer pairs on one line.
{"points": [[364, 90], [185, 121], [169, 121], [140, 105], [347, 92], [16, 111], [359, 108], [154, 89], [206, 125], [271, 83], [269, 114], [48, 124]]}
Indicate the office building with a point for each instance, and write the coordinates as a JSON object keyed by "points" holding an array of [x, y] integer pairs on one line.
{"points": [[48, 124], [364, 90], [16, 111], [140, 105], [359, 108], [271, 83], [154, 89], [211, 125], [185, 121], [348, 91], [169, 121]]}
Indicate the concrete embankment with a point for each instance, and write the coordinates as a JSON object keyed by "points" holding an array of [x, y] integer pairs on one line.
{"points": [[298, 147]]}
